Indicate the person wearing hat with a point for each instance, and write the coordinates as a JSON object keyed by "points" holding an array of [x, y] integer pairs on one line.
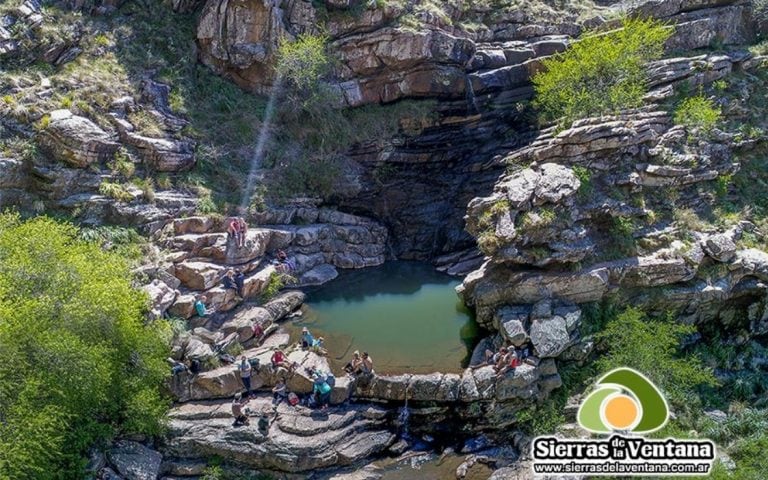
{"points": [[307, 340], [353, 367]]}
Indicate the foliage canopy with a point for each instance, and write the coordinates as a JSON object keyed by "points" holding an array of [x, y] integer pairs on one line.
{"points": [[600, 73], [77, 362]]}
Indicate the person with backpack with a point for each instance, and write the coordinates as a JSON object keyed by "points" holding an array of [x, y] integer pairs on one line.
{"points": [[245, 370]]}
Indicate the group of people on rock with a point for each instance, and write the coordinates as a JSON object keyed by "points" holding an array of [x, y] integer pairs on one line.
{"points": [[240, 411], [237, 230], [507, 358], [360, 364], [234, 280]]}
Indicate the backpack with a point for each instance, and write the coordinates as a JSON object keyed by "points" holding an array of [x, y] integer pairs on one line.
{"points": [[255, 363], [194, 366], [293, 399], [330, 380]]}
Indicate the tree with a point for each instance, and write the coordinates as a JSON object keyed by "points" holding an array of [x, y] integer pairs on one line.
{"points": [[601, 72], [77, 362]]}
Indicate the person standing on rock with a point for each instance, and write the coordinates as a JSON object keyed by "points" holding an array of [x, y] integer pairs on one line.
{"points": [[243, 227], [234, 232], [237, 411], [245, 374]]}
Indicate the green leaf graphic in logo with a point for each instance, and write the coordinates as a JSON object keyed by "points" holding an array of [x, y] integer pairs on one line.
{"points": [[624, 400]]}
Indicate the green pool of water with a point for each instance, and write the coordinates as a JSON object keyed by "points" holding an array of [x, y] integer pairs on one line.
{"points": [[405, 315]]}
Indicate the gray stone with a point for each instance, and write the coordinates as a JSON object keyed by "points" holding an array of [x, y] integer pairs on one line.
{"points": [[550, 336], [134, 461]]}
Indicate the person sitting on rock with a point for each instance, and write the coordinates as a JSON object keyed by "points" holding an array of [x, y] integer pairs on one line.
{"points": [[234, 232], [240, 282], [176, 366], [366, 367], [280, 360], [500, 359], [229, 283], [307, 340], [279, 392], [238, 411], [354, 366], [512, 361], [490, 358], [201, 309], [245, 370], [317, 346], [258, 333], [243, 227]]}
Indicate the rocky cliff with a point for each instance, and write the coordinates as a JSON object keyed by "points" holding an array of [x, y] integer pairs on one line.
{"points": [[633, 207]]}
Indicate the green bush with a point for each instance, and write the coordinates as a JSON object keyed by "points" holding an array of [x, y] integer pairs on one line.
{"points": [[653, 348], [698, 112], [116, 191], [77, 362], [600, 73], [303, 62]]}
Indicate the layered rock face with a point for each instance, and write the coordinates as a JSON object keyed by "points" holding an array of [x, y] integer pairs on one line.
{"points": [[476, 62], [594, 210]]}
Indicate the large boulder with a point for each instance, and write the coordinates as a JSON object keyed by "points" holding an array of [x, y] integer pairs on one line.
{"points": [[163, 154], [76, 140], [199, 275], [550, 336], [134, 461], [161, 297]]}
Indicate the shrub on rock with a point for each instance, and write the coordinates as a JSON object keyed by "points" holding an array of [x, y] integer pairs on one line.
{"points": [[600, 73]]}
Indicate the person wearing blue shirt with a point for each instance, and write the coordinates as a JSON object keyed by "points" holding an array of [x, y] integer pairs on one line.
{"points": [[307, 340], [200, 308]]}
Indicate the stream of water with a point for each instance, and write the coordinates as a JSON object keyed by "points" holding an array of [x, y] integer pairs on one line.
{"points": [[405, 315]]}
